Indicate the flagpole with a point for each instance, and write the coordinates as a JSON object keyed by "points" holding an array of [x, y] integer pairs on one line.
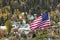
{"points": [[49, 15]]}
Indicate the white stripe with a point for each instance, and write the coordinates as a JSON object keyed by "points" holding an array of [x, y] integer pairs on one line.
{"points": [[34, 24], [45, 23]]}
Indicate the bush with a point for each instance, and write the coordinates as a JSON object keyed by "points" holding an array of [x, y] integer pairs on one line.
{"points": [[8, 25]]}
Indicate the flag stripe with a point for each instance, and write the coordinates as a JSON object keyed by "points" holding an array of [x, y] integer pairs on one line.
{"points": [[42, 23], [38, 19], [34, 27], [45, 23]]}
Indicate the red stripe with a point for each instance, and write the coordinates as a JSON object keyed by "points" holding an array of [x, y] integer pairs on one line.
{"points": [[45, 24], [37, 20], [34, 27]]}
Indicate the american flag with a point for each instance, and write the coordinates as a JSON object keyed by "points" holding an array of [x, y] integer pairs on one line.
{"points": [[41, 22]]}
